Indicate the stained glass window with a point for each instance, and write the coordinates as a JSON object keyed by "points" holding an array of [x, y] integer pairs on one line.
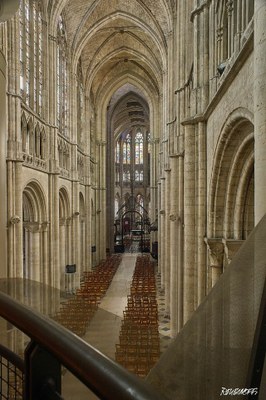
{"points": [[149, 142], [62, 77], [38, 52], [31, 54], [127, 150], [126, 176], [25, 48], [139, 148], [116, 205], [117, 152], [117, 175], [80, 104]]}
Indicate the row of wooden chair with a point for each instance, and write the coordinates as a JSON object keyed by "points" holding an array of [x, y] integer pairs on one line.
{"points": [[76, 313], [139, 342]]}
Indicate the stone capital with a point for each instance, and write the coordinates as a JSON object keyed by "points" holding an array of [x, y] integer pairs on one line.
{"points": [[231, 247], [172, 217], [44, 226], [33, 226], [215, 248]]}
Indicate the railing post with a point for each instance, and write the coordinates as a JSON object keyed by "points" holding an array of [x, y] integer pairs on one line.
{"points": [[42, 374]]}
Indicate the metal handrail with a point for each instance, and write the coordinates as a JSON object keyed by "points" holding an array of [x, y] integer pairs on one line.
{"points": [[12, 357], [103, 376]]}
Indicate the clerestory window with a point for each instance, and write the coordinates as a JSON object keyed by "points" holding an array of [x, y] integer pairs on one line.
{"points": [[80, 104], [31, 54], [62, 79]]}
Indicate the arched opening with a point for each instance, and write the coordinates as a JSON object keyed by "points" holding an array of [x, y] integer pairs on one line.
{"points": [[128, 166], [64, 234], [231, 213], [34, 234], [232, 181]]}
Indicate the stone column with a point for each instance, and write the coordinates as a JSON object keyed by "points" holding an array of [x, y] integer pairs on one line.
{"points": [[260, 107], [75, 239], [167, 247], [216, 255], [18, 227], [159, 226], [180, 271], [153, 185], [201, 213], [3, 222], [35, 255], [189, 221], [33, 243], [174, 241], [13, 154], [62, 246], [44, 277], [162, 233], [88, 241], [103, 201], [53, 246], [110, 184]]}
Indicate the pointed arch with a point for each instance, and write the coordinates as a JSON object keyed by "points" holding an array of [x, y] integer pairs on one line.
{"points": [[31, 134], [232, 173], [24, 133], [35, 201], [34, 207]]}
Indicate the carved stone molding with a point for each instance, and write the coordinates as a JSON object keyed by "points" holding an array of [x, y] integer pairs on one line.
{"points": [[15, 219], [32, 226], [36, 227], [62, 221], [231, 247], [215, 248], [68, 221], [44, 226], [172, 217]]}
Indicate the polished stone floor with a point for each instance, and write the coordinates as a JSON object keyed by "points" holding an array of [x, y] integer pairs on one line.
{"points": [[103, 329]]}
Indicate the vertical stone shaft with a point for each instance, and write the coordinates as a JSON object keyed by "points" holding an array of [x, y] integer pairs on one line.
{"points": [[174, 241], [167, 242], [189, 221], [3, 252], [260, 107], [162, 233], [201, 212]]}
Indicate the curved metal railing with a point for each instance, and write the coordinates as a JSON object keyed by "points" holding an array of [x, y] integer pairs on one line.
{"points": [[11, 374], [103, 376]]}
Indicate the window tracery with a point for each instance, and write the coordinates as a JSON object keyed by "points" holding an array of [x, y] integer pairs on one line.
{"points": [[117, 152], [127, 150], [132, 147], [80, 104], [62, 79], [139, 148], [31, 54]]}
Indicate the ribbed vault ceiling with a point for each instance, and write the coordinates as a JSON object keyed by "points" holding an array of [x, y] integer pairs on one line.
{"points": [[116, 39], [127, 110]]}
